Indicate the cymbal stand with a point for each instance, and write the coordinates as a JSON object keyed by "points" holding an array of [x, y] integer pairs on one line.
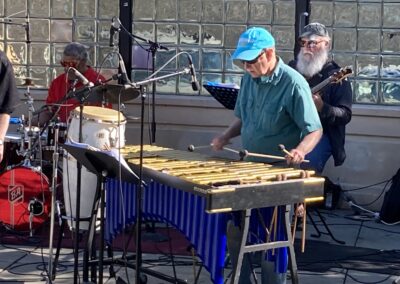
{"points": [[27, 153]]}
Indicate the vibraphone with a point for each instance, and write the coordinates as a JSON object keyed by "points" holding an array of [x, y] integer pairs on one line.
{"points": [[185, 187]]}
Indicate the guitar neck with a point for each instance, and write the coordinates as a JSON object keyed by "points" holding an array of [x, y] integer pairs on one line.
{"points": [[321, 85]]}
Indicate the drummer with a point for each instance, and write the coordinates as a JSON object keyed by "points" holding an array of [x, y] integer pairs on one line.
{"points": [[9, 97], [74, 56]]}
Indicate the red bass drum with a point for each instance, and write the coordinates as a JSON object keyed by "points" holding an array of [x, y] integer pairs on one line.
{"points": [[24, 198]]}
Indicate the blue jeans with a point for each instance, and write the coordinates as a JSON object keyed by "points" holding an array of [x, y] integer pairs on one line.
{"points": [[268, 275], [319, 156]]}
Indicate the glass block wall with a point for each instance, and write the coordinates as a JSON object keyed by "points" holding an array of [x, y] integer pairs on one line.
{"points": [[53, 24], [208, 30], [366, 35]]}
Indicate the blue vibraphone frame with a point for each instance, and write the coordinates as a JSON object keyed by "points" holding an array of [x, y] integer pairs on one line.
{"points": [[186, 212]]}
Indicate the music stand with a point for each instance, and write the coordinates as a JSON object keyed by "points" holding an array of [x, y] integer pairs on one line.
{"points": [[226, 94], [104, 165]]}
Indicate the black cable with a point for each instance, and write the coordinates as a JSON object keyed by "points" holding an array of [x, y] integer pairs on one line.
{"points": [[363, 282], [367, 186], [379, 196]]}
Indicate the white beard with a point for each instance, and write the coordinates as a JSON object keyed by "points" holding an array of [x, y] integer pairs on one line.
{"points": [[310, 64]]}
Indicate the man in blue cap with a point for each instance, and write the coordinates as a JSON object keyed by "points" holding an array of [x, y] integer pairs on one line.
{"points": [[274, 106]]}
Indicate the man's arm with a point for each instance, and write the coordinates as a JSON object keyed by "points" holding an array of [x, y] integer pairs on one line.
{"points": [[232, 131], [305, 146], [4, 122], [337, 111]]}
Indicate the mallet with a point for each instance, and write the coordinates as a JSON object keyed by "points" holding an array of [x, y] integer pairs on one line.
{"points": [[245, 153], [191, 147], [283, 149]]}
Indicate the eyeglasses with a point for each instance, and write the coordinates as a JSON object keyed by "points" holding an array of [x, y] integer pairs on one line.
{"points": [[310, 43], [72, 63], [252, 61]]}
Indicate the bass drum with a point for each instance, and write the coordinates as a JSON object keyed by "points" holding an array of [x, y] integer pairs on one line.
{"points": [[22, 191]]}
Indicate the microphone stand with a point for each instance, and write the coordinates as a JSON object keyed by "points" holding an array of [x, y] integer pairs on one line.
{"points": [[81, 98], [140, 188], [153, 49]]}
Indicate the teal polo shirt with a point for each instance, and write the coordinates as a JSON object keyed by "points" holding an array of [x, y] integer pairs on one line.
{"points": [[276, 109]]}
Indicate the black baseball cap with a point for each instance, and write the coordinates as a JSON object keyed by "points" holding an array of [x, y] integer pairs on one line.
{"points": [[314, 29]]}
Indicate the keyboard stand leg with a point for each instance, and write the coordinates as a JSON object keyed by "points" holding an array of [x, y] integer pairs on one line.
{"points": [[265, 246], [292, 256], [245, 230]]}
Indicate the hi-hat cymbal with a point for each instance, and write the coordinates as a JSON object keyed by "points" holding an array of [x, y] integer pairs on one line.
{"points": [[112, 93], [28, 81]]}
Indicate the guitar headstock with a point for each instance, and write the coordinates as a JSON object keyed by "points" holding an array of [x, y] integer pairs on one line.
{"points": [[342, 74]]}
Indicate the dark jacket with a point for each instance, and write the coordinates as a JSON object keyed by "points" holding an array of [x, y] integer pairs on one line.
{"points": [[336, 112]]}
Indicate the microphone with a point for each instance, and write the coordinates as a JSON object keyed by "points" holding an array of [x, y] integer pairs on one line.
{"points": [[124, 76], [81, 78], [27, 29], [195, 83], [115, 27]]}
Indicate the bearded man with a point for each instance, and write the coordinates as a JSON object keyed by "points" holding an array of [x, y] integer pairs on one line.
{"points": [[333, 102]]}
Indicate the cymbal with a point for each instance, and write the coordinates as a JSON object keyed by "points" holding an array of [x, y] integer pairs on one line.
{"points": [[112, 92], [28, 81]]}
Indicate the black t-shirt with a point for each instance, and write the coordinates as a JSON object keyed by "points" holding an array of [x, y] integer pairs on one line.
{"points": [[9, 96]]}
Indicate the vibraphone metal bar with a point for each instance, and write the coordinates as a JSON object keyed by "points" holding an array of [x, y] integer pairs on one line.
{"points": [[225, 186]]}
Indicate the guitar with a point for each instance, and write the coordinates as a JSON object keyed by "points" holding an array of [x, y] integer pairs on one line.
{"points": [[335, 78]]}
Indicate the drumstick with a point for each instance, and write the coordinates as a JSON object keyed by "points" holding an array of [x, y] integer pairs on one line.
{"points": [[245, 153], [283, 149]]}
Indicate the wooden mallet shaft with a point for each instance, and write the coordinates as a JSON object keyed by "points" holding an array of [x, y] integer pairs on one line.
{"points": [[245, 153], [283, 149]]}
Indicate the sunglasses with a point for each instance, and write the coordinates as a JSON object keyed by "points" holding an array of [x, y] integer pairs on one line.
{"points": [[310, 43], [250, 62], [72, 63]]}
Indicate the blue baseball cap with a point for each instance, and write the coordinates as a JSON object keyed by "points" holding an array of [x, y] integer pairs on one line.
{"points": [[251, 43]]}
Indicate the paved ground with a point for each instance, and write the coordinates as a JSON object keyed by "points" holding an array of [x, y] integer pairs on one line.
{"points": [[25, 264]]}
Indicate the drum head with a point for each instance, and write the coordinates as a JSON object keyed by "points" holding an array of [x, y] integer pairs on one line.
{"points": [[100, 113], [22, 190]]}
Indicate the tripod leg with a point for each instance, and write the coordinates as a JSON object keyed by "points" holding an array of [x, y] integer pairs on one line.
{"points": [[110, 254], [314, 225], [327, 229]]}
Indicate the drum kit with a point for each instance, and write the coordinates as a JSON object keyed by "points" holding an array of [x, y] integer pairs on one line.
{"points": [[30, 162]]}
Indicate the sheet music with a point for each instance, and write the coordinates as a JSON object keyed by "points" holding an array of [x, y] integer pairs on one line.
{"points": [[225, 93], [112, 153], [224, 85]]}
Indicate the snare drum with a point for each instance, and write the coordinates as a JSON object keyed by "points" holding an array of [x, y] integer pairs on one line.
{"points": [[62, 134], [48, 149], [100, 128], [12, 143], [22, 189]]}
